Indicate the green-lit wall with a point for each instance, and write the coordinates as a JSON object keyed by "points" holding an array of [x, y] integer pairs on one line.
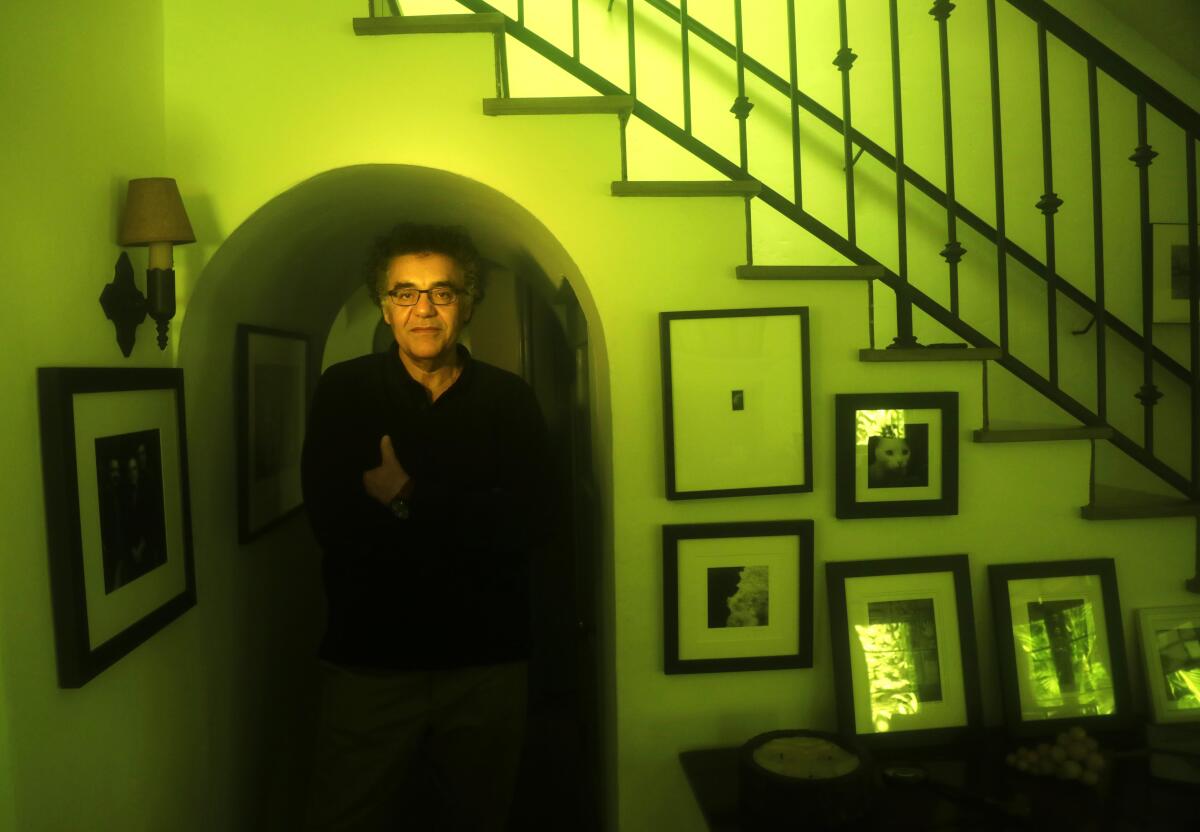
{"points": [[251, 106]]}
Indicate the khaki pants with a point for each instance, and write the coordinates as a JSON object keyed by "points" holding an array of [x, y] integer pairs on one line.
{"points": [[436, 750]]}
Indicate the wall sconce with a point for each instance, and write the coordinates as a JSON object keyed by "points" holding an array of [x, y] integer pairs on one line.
{"points": [[153, 217]]}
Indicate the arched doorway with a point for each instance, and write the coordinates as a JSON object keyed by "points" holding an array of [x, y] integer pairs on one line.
{"points": [[293, 264]]}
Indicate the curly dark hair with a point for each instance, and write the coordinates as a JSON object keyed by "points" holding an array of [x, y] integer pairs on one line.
{"points": [[417, 238]]}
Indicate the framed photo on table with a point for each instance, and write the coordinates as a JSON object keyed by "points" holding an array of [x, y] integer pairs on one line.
{"points": [[272, 405], [1170, 639], [1061, 645], [904, 657], [737, 596], [736, 402], [897, 454], [118, 520]]}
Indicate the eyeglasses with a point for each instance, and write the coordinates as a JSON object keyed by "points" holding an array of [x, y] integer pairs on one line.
{"points": [[409, 296]]}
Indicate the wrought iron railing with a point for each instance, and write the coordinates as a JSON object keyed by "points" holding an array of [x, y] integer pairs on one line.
{"points": [[1103, 65]]}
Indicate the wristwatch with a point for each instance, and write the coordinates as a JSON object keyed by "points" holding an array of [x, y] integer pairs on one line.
{"points": [[399, 506]]}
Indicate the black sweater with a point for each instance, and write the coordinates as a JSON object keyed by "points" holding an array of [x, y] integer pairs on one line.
{"points": [[447, 587]]}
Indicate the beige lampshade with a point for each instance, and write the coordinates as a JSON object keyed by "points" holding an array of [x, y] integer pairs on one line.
{"points": [[154, 214]]}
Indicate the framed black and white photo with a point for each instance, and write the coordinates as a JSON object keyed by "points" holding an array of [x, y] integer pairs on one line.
{"points": [[737, 596], [114, 468], [1061, 645], [897, 454], [272, 404], [1170, 640], [904, 656], [736, 402], [1172, 272]]}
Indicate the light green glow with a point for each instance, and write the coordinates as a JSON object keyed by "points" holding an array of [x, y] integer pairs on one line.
{"points": [[1066, 673], [870, 423], [1179, 652], [891, 671]]}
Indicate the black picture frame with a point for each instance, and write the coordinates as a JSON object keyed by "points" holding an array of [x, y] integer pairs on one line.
{"points": [[273, 386], [118, 516], [923, 428], [737, 404], [934, 591], [769, 628], [1060, 598]]}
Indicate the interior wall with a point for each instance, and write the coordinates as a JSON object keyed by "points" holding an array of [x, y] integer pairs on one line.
{"points": [[187, 732], [82, 92]]}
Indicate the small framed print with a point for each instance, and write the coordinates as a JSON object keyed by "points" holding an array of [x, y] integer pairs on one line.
{"points": [[114, 466], [1173, 277], [897, 454], [737, 596], [1170, 639], [904, 657], [1061, 645], [736, 402], [272, 404]]}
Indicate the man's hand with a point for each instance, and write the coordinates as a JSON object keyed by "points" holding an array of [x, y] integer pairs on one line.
{"points": [[389, 479]]}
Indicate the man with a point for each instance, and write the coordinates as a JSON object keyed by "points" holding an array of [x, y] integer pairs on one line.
{"points": [[422, 472]]}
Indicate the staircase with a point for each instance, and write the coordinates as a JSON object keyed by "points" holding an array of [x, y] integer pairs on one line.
{"points": [[1164, 439]]}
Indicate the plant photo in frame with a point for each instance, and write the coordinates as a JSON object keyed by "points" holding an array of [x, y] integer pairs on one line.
{"points": [[904, 658], [1170, 639], [114, 466], [1060, 644], [272, 404], [737, 596], [897, 454], [736, 402]]}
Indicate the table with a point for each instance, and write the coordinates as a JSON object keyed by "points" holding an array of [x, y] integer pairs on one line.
{"points": [[972, 789]]}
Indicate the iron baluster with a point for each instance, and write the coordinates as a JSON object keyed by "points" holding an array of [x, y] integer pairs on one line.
{"points": [[1101, 315], [793, 105], [632, 52], [954, 251], [1148, 395], [687, 80], [844, 61], [741, 106], [998, 162], [1193, 295], [904, 328], [521, 12], [1048, 205], [575, 29]]}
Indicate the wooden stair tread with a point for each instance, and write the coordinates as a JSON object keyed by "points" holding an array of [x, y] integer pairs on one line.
{"points": [[810, 272], [1020, 432], [686, 187], [424, 24], [558, 105], [931, 354], [1114, 503]]}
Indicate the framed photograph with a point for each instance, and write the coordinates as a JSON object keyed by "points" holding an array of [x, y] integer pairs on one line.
{"points": [[272, 404], [737, 596], [1170, 639], [736, 402], [904, 656], [1061, 645], [118, 521], [1172, 275], [897, 454]]}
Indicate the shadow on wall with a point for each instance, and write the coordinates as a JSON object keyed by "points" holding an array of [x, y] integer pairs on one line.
{"points": [[292, 265]]}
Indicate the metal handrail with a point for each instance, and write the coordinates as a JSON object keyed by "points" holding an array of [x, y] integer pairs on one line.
{"points": [[1099, 57]]}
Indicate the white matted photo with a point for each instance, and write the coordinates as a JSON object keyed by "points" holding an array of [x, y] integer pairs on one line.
{"points": [[736, 402], [737, 596], [114, 458]]}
